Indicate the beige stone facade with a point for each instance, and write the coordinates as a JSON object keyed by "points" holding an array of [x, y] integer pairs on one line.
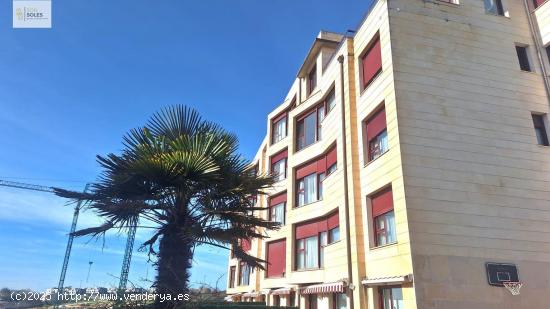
{"points": [[469, 178]]}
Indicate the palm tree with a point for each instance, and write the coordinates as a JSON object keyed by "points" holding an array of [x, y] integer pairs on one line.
{"points": [[183, 175]]}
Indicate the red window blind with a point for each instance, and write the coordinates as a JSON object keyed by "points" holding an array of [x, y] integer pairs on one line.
{"points": [[382, 202], [307, 169], [333, 221], [307, 230], [246, 244], [538, 3], [313, 228], [331, 157], [277, 199], [318, 166], [376, 124], [322, 164], [279, 156], [276, 258], [371, 62]]}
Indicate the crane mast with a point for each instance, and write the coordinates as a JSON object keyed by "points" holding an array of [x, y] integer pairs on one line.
{"points": [[69, 245]]}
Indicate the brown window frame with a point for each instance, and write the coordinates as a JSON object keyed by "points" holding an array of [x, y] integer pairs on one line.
{"points": [[311, 80], [539, 125], [522, 52], [381, 294], [232, 273]]}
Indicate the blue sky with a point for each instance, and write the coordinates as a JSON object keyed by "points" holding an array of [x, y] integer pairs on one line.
{"points": [[71, 92]]}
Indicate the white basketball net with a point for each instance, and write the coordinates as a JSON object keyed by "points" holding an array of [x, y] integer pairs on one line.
{"points": [[513, 287]]}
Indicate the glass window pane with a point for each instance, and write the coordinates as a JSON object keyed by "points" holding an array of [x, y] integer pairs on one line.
{"points": [[300, 134], [390, 230], [312, 253], [310, 129], [397, 298], [490, 6], [279, 130], [278, 213], [378, 146], [341, 301], [282, 128], [323, 239], [310, 188], [331, 169], [381, 223], [301, 193], [300, 254], [279, 170], [335, 234], [331, 103]]}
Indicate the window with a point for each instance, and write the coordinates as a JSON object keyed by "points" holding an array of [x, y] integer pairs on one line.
{"points": [[323, 242], [307, 190], [383, 218], [334, 235], [310, 177], [232, 272], [540, 130], [340, 301], [330, 101], [308, 130], [277, 206], [538, 3], [376, 140], [391, 298], [371, 62], [278, 213], [254, 170], [276, 258], [276, 300], [385, 229], [244, 274], [312, 80], [278, 165], [279, 170], [278, 128], [523, 58], [311, 240], [307, 253], [331, 161], [312, 300], [494, 7]]}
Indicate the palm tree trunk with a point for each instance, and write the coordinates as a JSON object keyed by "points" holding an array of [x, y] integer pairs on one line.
{"points": [[175, 255]]}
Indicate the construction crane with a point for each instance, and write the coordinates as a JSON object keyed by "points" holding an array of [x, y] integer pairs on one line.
{"points": [[129, 242], [127, 258]]}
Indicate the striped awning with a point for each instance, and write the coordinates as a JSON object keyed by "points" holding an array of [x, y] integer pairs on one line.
{"points": [[233, 296], [282, 291], [334, 287], [250, 294], [389, 280]]}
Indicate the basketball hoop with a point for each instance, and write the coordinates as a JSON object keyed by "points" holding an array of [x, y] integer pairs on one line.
{"points": [[513, 287]]}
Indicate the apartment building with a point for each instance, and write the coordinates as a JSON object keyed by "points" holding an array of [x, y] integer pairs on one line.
{"points": [[413, 164]]}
